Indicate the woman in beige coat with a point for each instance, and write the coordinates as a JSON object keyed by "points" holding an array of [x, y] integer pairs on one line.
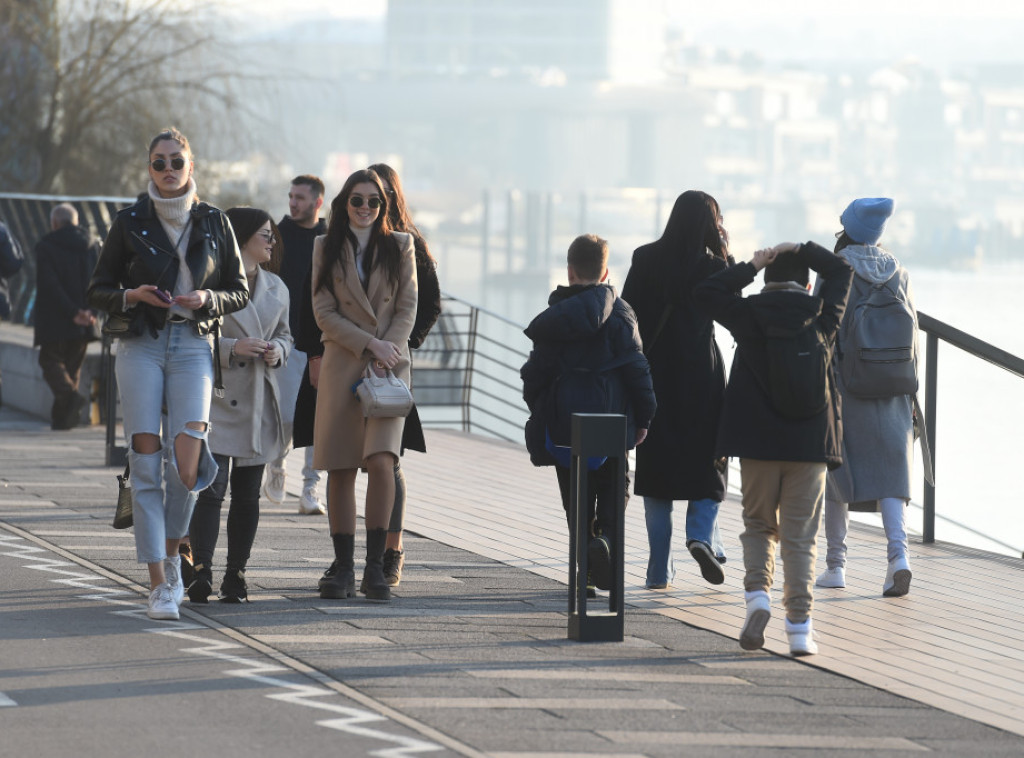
{"points": [[246, 431], [364, 300]]}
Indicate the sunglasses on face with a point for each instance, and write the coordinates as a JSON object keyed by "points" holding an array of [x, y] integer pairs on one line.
{"points": [[177, 164], [357, 202]]}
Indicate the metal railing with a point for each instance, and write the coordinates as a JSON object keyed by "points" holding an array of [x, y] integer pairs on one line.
{"points": [[466, 373], [28, 218], [937, 330]]}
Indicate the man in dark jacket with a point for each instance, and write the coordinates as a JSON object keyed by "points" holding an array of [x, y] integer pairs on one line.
{"points": [[64, 323], [587, 326], [298, 230], [783, 459]]}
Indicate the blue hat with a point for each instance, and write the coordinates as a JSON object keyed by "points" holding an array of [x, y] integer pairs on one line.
{"points": [[864, 219]]}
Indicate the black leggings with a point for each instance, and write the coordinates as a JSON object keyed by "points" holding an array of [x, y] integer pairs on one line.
{"points": [[243, 514]]}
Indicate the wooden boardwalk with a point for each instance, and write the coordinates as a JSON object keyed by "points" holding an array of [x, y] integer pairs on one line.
{"points": [[956, 642]]}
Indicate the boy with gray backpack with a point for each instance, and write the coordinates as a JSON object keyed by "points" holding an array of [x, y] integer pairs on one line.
{"points": [[877, 357]]}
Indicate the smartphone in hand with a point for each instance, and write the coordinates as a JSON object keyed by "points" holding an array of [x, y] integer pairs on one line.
{"points": [[163, 296]]}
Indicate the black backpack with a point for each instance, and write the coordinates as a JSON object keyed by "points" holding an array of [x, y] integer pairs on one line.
{"points": [[579, 389], [798, 366]]}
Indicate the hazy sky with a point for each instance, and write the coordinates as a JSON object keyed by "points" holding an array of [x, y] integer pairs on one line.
{"points": [[939, 32]]}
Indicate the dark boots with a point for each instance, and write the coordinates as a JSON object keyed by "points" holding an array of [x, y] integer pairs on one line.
{"points": [[374, 584], [339, 581]]}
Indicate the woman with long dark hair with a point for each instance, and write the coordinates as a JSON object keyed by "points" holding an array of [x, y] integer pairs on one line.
{"points": [[248, 429], [677, 460], [428, 308], [364, 301], [169, 270]]}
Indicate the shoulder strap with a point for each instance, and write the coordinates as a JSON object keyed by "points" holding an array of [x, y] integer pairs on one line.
{"points": [[661, 325]]}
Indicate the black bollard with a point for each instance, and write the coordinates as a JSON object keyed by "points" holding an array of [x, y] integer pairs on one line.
{"points": [[601, 435]]}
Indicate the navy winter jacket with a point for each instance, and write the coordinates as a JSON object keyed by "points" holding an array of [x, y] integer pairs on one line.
{"points": [[584, 326]]}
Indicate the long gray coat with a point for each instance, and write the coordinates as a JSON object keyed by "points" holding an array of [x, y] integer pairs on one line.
{"points": [[878, 434], [246, 422], [350, 317]]}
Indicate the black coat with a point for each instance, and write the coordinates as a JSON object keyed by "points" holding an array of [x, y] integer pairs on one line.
{"points": [[296, 262], [137, 251], [307, 339], [677, 461], [65, 259], [750, 426], [584, 326]]}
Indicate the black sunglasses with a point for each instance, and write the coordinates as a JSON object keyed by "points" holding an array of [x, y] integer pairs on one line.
{"points": [[356, 201], [177, 164]]}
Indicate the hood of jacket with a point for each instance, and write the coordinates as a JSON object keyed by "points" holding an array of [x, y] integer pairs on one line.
{"points": [[574, 312], [870, 262]]}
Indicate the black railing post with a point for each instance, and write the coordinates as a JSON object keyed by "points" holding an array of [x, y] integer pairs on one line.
{"points": [[115, 454], [600, 435], [931, 382]]}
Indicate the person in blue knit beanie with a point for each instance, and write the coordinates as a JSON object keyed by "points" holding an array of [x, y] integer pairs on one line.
{"points": [[878, 432], [864, 219]]}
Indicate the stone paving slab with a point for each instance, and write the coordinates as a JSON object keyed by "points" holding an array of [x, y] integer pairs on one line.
{"points": [[470, 658]]}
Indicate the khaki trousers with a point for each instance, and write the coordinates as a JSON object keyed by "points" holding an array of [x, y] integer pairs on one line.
{"points": [[782, 502]]}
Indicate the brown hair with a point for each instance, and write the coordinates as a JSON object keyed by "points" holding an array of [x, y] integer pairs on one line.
{"points": [[246, 222], [588, 256], [313, 182], [382, 249], [173, 134]]}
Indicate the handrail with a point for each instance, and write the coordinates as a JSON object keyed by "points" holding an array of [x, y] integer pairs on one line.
{"points": [[936, 330]]}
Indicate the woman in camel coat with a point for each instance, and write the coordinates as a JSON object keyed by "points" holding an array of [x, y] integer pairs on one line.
{"points": [[364, 301]]}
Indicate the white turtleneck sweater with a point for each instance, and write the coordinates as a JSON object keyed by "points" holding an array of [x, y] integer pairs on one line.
{"points": [[363, 237], [175, 217]]}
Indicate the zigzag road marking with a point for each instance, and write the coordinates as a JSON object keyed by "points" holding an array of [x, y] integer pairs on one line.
{"points": [[347, 719]]}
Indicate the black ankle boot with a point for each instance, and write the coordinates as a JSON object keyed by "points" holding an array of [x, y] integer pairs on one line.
{"points": [[339, 581], [200, 588], [373, 575]]}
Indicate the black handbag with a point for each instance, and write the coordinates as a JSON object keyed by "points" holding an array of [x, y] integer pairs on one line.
{"points": [[123, 514]]}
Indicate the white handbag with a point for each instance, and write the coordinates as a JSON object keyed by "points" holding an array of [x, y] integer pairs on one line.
{"points": [[383, 396]]}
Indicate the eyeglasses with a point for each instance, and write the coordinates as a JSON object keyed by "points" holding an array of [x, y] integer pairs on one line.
{"points": [[268, 236], [177, 164], [356, 201]]}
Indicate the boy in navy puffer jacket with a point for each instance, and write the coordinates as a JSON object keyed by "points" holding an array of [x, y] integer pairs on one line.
{"points": [[587, 326]]}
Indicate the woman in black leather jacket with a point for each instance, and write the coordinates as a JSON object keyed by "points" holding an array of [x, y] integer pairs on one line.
{"points": [[170, 267]]}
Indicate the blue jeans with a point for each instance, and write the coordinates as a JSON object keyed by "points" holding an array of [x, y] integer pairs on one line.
{"points": [[174, 370], [701, 526]]}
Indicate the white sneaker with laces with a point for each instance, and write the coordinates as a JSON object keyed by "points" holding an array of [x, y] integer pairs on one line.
{"points": [[172, 573], [162, 604], [834, 578], [759, 611], [801, 638], [897, 578], [273, 485], [309, 503]]}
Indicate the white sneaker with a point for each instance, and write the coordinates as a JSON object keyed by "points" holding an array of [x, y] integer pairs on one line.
{"points": [[834, 578], [162, 604], [273, 485], [172, 573], [310, 504], [897, 578], [801, 638], [759, 611]]}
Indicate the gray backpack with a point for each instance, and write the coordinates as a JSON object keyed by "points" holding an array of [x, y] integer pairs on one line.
{"points": [[878, 354]]}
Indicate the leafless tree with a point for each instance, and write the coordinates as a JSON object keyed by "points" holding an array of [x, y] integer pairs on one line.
{"points": [[85, 83]]}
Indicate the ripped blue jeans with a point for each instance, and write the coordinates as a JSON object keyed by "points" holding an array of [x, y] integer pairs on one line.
{"points": [[173, 371]]}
